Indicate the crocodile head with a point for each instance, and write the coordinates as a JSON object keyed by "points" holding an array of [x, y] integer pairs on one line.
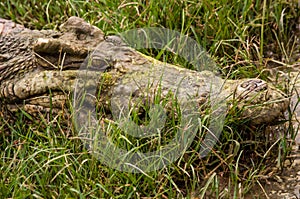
{"points": [[258, 100]]}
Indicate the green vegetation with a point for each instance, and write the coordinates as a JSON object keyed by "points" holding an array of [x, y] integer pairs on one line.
{"points": [[46, 159]]}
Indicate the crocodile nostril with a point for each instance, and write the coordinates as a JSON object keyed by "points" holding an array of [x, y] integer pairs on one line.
{"points": [[253, 86], [250, 84], [245, 84]]}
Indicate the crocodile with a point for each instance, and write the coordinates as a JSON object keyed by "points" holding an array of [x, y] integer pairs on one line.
{"points": [[39, 69]]}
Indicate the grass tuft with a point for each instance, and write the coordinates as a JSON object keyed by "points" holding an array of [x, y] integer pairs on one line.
{"points": [[46, 158]]}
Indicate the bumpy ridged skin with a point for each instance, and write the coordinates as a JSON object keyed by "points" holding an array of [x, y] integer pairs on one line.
{"points": [[39, 68], [16, 56], [30, 65], [16, 52]]}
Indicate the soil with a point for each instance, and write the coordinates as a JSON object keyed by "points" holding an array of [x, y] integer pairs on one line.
{"points": [[285, 185]]}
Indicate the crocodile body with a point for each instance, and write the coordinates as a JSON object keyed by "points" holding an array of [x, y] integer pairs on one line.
{"points": [[39, 69]]}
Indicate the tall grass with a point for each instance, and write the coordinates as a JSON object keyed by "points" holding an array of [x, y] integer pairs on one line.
{"points": [[48, 160]]}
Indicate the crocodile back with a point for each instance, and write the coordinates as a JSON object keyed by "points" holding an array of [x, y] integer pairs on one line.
{"points": [[10, 27], [16, 53]]}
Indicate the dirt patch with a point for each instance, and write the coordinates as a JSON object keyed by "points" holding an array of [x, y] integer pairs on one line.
{"points": [[285, 185]]}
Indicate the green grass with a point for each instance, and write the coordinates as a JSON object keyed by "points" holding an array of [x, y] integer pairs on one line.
{"points": [[47, 159]]}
